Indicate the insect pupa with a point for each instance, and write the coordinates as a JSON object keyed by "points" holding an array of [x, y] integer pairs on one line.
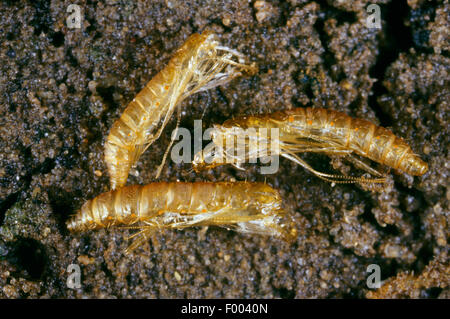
{"points": [[316, 130], [253, 208], [200, 64]]}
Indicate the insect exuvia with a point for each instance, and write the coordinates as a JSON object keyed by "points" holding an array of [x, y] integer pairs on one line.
{"points": [[254, 208], [200, 64], [316, 130]]}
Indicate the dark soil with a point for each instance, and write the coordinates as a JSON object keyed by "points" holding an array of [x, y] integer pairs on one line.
{"points": [[62, 88]]}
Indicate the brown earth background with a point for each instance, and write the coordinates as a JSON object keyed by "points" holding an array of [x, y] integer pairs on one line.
{"points": [[61, 90]]}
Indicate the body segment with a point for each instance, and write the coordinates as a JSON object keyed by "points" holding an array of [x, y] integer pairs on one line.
{"points": [[324, 131], [200, 64], [245, 207]]}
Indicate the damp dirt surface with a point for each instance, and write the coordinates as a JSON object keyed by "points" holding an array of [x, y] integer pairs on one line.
{"points": [[63, 88]]}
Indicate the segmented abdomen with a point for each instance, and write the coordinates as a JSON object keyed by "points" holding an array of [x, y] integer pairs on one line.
{"points": [[132, 132], [200, 64], [336, 128], [363, 137], [129, 135], [246, 207]]}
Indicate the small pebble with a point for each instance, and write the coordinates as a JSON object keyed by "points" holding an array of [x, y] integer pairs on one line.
{"points": [[226, 22], [264, 10], [85, 260], [98, 173]]}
